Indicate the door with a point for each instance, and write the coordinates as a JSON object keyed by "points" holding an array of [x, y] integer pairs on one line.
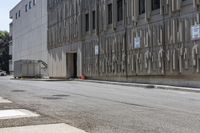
{"points": [[71, 65]]}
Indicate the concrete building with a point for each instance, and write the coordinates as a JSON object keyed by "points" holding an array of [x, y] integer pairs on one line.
{"points": [[29, 31], [64, 42], [152, 41], [11, 67]]}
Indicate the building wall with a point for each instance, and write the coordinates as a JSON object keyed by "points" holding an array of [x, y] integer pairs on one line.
{"points": [[11, 68], [166, 50], [29, 30], [64, 35]]}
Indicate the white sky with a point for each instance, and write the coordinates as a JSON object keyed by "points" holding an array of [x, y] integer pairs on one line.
{"points": [[5, 7]]}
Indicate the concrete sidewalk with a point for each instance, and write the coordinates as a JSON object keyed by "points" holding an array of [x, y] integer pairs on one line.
{"points": [[52, 128]]}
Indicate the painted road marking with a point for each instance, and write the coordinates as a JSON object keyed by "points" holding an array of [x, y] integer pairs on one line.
{"points": [[51, 128], [16, 113], [2, 100]]}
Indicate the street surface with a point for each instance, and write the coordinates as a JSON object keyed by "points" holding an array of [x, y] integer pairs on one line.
{"points": [[101, 108]]}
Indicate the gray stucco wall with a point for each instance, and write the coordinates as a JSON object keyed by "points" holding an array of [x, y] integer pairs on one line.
{"points": [[29, 30], [57, 59]]}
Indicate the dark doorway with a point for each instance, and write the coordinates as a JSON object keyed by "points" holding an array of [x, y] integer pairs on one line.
{"points": [[75, 66], [71, 65]]}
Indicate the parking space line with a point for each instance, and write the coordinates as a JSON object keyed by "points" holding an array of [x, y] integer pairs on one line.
{"points": [[2, 100], [16, 113]]}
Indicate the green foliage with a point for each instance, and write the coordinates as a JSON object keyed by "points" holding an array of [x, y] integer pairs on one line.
{"points": [[4, 51]]}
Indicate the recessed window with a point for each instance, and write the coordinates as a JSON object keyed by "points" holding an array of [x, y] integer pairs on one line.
{"points": [[110, 14], [119, 10], [26, 8], [87, 24], [155, 4], [141, 6], [19, 13], [30, 4], [16, 15], [34, 2], [94, 20]]}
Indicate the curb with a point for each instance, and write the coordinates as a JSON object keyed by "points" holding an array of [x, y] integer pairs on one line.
{"points": [[141, 85], [147, 86], [186, 89], [46, 80]]}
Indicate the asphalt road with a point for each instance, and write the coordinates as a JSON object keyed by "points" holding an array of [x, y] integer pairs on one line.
{"points": [[102, 108]]}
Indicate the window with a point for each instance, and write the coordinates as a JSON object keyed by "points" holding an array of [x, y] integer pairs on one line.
{"points": [[93, 20], [87, 22], [16, 15], [110, 14], [19, 13], [26, 8], [141, 6], [34, 2], [155, 4], [30, 4], [119, 10]]}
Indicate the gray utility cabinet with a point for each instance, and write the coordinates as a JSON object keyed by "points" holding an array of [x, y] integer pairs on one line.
{"points": [[27, 68]]}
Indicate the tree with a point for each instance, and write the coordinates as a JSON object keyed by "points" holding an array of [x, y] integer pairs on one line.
{"points": [[4, 51]]}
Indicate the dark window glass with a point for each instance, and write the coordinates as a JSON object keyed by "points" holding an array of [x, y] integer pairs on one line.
{"points": [[34, 2], [93, 20], [19, 14], [110, 14], [26, 8], [155, 4], [87, 22], [16, 15], [141, 6], [30, 4], [119, 10]]}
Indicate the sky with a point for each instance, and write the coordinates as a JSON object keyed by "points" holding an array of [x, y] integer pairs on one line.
{"points": [[5, 7]]}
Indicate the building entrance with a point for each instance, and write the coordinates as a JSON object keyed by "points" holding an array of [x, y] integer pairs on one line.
{"points": [[71, 61]]}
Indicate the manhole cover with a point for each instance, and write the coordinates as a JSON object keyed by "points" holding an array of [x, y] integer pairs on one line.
{"points": [[18, 90], [51, 98], [61, 95]]}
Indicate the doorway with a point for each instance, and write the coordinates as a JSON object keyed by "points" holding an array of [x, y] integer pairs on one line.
{"points": [[71, 64]]}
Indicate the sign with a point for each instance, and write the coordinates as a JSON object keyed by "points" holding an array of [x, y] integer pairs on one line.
{"points": [[195, 31], [137, 42], [96, 50]]}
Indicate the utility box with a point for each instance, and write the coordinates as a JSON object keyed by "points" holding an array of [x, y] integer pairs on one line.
{"points": [[27, 69]]}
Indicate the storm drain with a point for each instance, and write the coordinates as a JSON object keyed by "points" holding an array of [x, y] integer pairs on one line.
{"points": [[150, 87], [18, 90], [16, 113], [61, 95], [51, 98]]}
